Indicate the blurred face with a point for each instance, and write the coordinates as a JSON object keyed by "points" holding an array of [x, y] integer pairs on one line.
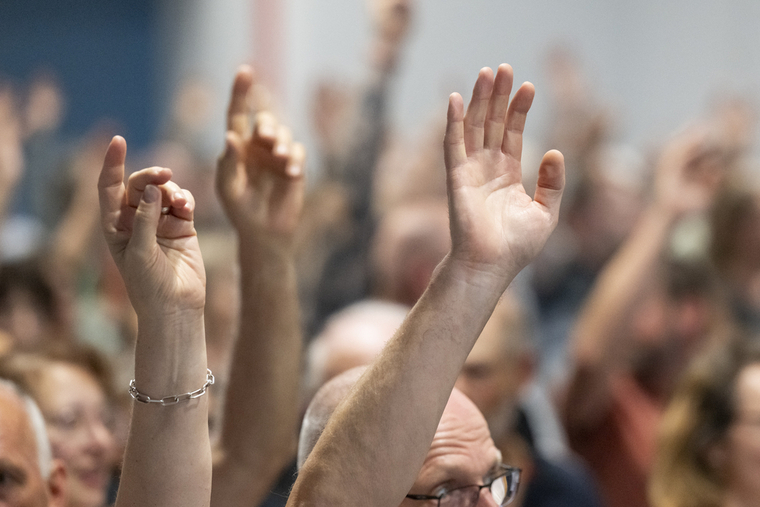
{"points": [[492, 378], [21, 484], [462, 453], [743, 443], [77, 417]]}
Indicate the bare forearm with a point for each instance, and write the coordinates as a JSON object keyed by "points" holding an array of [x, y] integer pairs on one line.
{"points": [[381, 433], [261, 407], [168, 456], [596, 347]]}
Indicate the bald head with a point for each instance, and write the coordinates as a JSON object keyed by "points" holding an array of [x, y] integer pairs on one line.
{"points": [[354, 336], [409, 243], [462, 444]]}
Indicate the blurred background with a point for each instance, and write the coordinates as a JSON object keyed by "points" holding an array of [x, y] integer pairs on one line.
{"points": [[653, 61]]}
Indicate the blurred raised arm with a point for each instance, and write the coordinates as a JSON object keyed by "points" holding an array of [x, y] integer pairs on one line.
{"points": [[148, 225], [376, 441], [260, 183], [685, 182]]}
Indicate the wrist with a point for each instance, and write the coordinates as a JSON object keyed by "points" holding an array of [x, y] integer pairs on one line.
{"points": [[170, 354], [487, 280], [256, 252]]}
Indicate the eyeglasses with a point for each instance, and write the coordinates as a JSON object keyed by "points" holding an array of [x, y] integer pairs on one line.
{"points": [[503, 488]]}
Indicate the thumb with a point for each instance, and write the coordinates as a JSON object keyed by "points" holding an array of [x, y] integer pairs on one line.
{"points": [[146, 220]]}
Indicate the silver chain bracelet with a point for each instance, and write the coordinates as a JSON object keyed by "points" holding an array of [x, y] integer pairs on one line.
{"points": [[171, 400]]}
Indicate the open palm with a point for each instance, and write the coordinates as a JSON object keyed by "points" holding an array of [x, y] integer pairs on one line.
{"points": [[495, 225]]}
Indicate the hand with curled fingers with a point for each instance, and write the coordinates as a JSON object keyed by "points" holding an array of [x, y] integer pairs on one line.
{"points": [[148, 224], [259, 176], [496, 228]]}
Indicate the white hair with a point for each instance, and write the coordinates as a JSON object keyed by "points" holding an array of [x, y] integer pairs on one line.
{"points": [[382, 317], [44, 451]]}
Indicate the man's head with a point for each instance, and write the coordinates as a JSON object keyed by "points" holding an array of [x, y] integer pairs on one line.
{"points": [[462, 452], [30, 478], [352, 337], [410, 241], [499, 365]]}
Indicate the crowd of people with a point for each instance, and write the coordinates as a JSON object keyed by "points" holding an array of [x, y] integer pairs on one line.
{"points": [[417, 322]]}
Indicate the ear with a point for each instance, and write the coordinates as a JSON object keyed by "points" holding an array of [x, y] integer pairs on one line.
{"points": [[58, 485]]}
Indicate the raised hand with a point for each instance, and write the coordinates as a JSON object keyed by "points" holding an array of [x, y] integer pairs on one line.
{"points": [[259, 176], [496, 227], [689, 171], [148, 225]]}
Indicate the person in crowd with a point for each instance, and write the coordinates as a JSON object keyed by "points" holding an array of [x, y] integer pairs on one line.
{"points": [[735, 250], [641, 323], [496, 376], [31, 477], [259, 181], [410, 241], [708, 452], [72, 388], [352, 141], [352, 337], [376, 448]]}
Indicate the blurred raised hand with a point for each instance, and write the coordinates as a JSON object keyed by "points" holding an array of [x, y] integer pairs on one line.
{"points": [[259, 176], [11, 152]]}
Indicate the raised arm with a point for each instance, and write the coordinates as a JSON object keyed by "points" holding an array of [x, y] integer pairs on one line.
{"points": [[375, 443], [148, 225], [11, 150], [259, 181], [685, 182]]}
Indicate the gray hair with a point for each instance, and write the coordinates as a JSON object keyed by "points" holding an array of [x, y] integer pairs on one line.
{"points": [[322, 407], [44, 451], [385, 316]]}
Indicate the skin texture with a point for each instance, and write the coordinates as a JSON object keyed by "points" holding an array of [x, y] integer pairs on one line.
{"points": [[159, 258], [21, 484], [742, 445], [259, 181], [462, 452], [381, 433], [76, 412]]}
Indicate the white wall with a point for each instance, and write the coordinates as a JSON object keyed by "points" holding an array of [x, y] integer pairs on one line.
{"points": [[656, 61]]}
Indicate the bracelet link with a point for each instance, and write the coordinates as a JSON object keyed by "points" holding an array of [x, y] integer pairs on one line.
{"points": [[174, 399]]}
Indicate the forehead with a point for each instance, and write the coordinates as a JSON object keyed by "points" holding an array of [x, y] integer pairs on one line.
{"points": [[462, 451], [17, 442], [64, 384]]}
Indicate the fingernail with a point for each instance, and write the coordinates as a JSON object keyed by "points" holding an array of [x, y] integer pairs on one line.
{"points": [[293, 170], [266, 131], [178, 195], [151, 194], [282, 149]]}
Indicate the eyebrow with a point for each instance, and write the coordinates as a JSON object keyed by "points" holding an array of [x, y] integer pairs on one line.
{"points": [[13, 469]]}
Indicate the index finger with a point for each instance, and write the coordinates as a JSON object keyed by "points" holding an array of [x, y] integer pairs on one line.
{"points": [[111, 184], [239, 110]]}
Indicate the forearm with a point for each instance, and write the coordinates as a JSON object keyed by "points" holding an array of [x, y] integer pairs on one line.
{"points": [[262, 401], [73, 236], [596, 345], [380, 434], [168, 455]]}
